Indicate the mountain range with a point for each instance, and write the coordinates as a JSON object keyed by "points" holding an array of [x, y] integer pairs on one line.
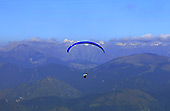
{"points": [[134, 82], [37, 52]]}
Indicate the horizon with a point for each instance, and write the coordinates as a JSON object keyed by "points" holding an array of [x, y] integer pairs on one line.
{"points": [[143, 38]]}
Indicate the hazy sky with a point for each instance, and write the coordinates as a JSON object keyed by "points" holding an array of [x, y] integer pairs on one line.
{"points": [[82, 19]]}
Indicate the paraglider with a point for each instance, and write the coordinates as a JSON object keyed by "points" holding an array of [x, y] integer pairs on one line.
{"points": [[85, 43]]}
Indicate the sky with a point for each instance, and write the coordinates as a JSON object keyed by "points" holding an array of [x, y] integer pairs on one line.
{"points": [[82, 19]]}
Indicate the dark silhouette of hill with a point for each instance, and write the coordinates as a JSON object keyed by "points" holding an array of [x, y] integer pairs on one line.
{"points": [[46, 87], [129, 100]]}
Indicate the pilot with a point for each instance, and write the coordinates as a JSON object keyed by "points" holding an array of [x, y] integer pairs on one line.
{"points": [[84, 74]]}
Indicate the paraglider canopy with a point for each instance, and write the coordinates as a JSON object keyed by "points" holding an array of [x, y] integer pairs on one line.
{"points": [[86, 42]]}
